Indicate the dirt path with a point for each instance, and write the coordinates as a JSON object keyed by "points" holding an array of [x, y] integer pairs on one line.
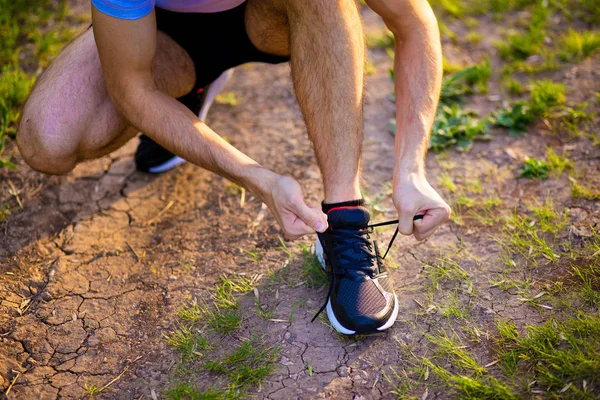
{"points": [[95, 267]]}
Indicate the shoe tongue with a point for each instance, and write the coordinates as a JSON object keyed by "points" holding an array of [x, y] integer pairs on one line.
{"points": [[348, 217]]}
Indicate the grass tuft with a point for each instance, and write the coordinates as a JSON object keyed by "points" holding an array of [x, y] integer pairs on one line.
{"points": [[534, 168], [227, 287], [445, 270], [560, 353], [14, 89], [474, 388], [579, 191], [546, 96], [463, 82], [515, 118], [454, 126], [521, 45], [247, 365], [454, 350], [579, 45], [187, 342], [312, 271], [186, 391]]}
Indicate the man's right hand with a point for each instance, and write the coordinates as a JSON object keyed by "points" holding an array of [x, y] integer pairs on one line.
{"points": [[283, 196]]}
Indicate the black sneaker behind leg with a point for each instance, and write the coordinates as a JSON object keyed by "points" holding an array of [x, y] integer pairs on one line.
{"points": [[362, 299]]}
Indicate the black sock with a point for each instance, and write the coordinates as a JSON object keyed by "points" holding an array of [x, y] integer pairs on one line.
{"points": [[352, 203]]}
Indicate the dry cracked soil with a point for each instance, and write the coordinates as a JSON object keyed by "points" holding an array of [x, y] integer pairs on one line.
{"points": [[95, 265]]}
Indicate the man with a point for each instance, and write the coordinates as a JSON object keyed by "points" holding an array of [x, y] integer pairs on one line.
{"points": [[125, 75]]}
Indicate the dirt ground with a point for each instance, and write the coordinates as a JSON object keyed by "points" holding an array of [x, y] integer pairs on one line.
{"points": [[95, 265]]}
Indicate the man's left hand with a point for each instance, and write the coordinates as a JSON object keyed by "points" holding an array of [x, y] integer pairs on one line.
{"points": [[413, 195]]}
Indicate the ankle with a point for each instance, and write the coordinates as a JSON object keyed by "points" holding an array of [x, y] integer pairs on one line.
{"points": [[342, 193], [326, 207]]}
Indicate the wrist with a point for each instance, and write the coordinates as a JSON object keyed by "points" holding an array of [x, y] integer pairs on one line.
{"points": [[260, 181], [406, 171]]}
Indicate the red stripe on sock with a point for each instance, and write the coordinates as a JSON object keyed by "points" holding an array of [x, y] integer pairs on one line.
{"points": [[343, 208]]}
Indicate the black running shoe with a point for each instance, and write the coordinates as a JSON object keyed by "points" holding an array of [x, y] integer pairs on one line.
{"points": [[361, 298], [152, 157]]}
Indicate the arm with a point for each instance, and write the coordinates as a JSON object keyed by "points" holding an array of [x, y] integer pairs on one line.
{"points": [[418, 76], [126, 49]]}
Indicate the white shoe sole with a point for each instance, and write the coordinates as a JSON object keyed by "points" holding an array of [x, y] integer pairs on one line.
{"points": [[333, 320], [215, 88]]}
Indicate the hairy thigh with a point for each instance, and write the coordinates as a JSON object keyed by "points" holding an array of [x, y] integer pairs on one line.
{"points": [[267, 26], [69, 112]]}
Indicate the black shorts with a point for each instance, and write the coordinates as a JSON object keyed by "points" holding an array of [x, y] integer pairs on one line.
{"points": [[214, 41]]}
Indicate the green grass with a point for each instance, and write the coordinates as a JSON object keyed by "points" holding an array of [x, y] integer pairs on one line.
{"points": [[588, 10], [513, 86], [523, 237], [534, 168], [590, 283], [227, 287], [383, 40], [515, 118], [402, 385], [190, 313], [474, 388], [451, 307], [452, 349], [91, 389], [576, 46], [224, 315], [558, 354], [14, 89], [312, 271], [470, 201], [554, 164], [454, 8], [558, 163], [546, 96], [579, 191], [19, 18], [466, 81], [262, 311], [455, 127], [445, 270], [26, 45], [247, 365], [187, 342], [521, 45], [546, 218], [224, 321], [228, 98], [186, 391], [560, 359]]}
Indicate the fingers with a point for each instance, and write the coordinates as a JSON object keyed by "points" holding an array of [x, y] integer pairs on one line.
{"points": [[431, 220], [310, 216], [405, 221], [295, 216]]}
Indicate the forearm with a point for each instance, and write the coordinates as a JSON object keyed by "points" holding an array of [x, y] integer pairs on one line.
{"points": [[418, 76], [174, 127]]}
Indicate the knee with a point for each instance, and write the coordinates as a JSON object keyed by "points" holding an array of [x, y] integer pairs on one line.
{"points": [[43, 148]]}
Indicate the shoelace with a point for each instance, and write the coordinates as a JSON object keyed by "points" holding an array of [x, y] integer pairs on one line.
{"points": [[368, 229]]}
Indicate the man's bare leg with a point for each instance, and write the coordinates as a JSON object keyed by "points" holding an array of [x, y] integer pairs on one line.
{"points": [[69, 116], [326, 43]]}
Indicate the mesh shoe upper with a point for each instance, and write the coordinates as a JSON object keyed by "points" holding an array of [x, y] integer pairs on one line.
{"points": [[362, 297]]}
